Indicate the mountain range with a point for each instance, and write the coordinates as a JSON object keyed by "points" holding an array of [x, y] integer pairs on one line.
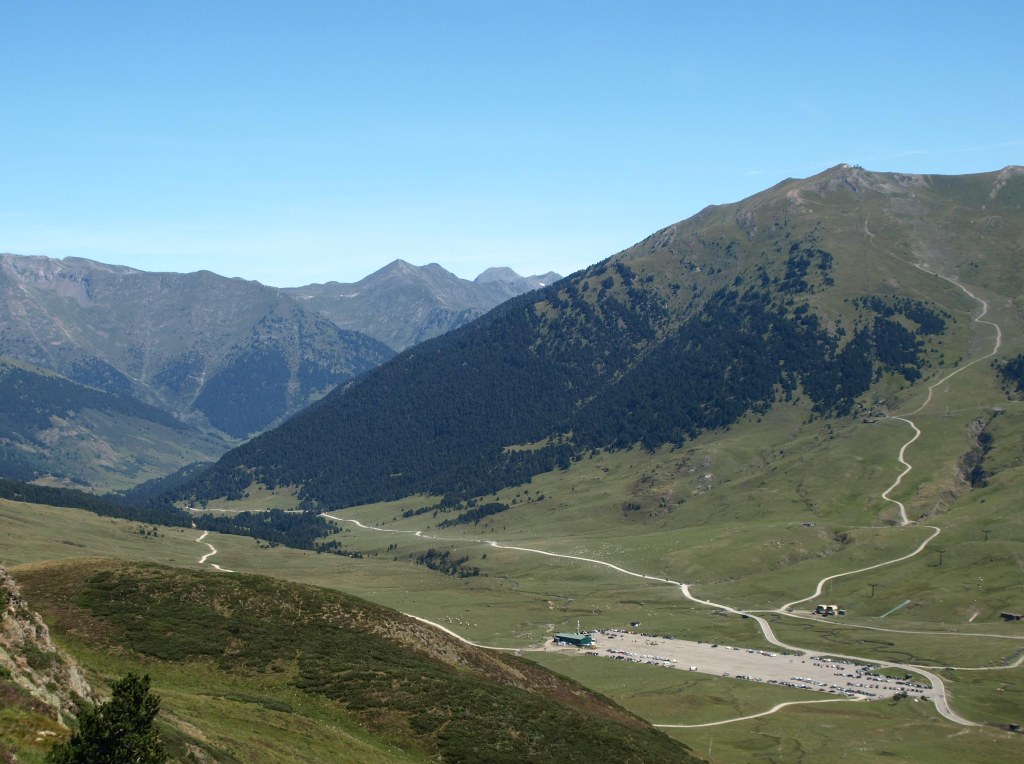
{"points": [[819, 291], [402, 305], [228, 357], [223, 353]]}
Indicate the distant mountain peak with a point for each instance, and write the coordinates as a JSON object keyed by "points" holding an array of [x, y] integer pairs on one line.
{"points": [[398, 264], [40, 264], [403, 304], [512, 280], [191, 344], [506, 275]]}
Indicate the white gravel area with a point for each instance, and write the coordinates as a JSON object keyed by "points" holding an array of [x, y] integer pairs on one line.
{"points": [[807, 672]]}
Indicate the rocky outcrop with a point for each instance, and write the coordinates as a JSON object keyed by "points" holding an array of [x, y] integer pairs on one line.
{"points": [[29, 659]]}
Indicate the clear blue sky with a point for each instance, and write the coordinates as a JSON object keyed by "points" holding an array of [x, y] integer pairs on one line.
{"points": [[297, 142]]}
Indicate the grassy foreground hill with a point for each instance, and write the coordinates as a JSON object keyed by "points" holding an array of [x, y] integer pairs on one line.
{"points": [[256, 669], [821, 290]]}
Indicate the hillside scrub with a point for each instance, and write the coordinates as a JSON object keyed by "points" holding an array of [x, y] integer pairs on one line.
{"points": [[419, 688]]}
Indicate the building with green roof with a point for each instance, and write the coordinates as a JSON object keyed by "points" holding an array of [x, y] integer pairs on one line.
{"points": [[576, 640]]}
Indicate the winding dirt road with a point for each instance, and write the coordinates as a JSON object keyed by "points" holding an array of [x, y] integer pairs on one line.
{"points": [[772, 710], [211, 553], [979, 319]]}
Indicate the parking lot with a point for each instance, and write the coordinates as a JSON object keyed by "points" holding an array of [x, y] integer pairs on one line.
{"points": [[756, 665]]}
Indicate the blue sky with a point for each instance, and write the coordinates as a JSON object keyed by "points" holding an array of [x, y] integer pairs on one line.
{"points": [[308, 141]]}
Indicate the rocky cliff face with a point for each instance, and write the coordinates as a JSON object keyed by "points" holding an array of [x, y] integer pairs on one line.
{"points": [[30, 660]]}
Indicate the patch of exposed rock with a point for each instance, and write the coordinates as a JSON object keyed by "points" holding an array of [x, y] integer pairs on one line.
{"points": [[29, 659]]}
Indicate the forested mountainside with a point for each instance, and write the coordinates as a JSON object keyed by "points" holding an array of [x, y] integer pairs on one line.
{"points": [[813, 292], [224, 353], [402, 304], [54, 428]]}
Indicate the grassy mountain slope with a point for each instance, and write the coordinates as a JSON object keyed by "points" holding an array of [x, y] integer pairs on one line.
{"points": [[58, 430], [808, 290], [229, 353], [256, 669]]}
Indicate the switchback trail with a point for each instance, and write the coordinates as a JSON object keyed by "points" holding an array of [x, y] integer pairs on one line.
{"points": [[979, 319], [821, 584], [211, 553], [907, 467]]}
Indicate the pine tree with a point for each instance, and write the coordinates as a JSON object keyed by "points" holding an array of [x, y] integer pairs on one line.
{"points": [[117, 732]]}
